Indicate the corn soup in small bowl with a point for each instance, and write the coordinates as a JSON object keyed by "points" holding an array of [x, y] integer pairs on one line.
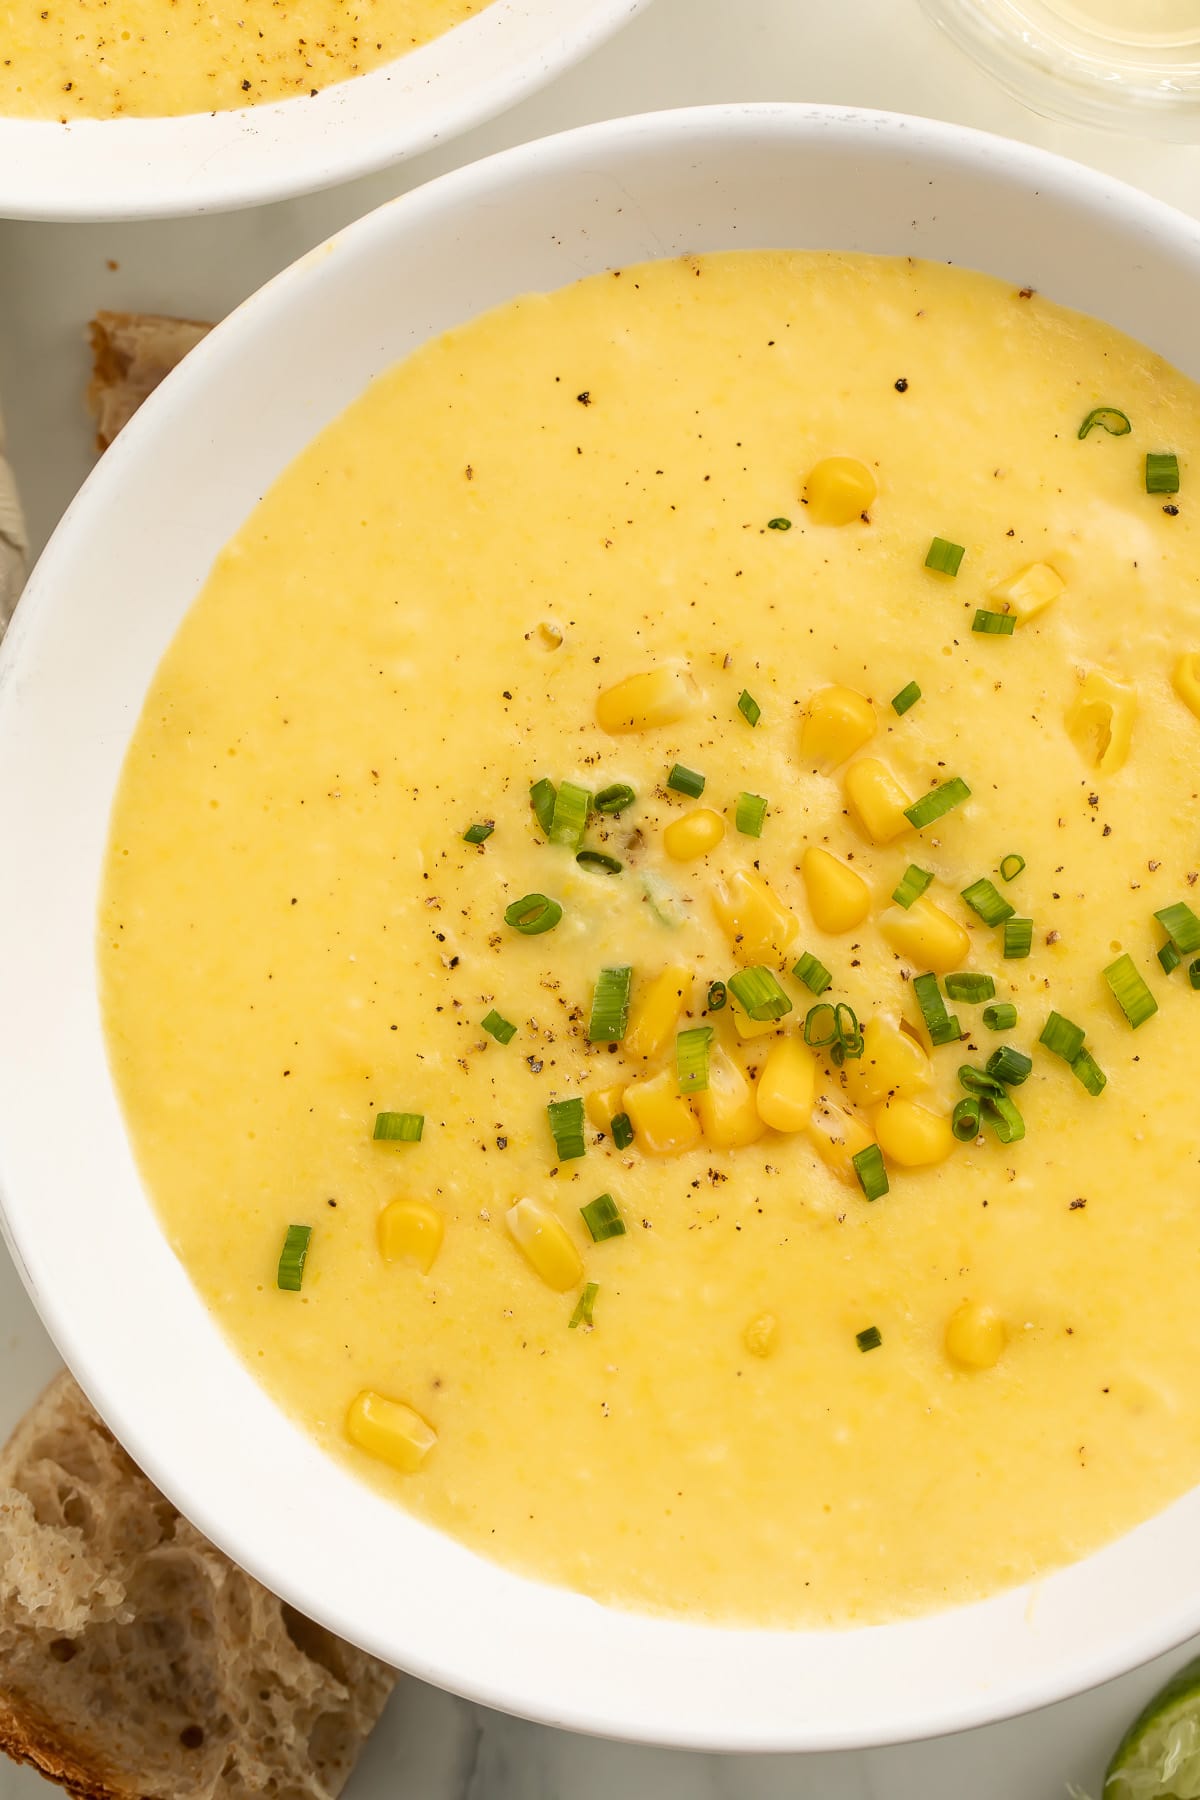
{"points": [[603, 951], [142, 109]]}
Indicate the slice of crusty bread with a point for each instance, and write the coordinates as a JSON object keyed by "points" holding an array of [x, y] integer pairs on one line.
{"points": [[135, 1659], [131, 353]]}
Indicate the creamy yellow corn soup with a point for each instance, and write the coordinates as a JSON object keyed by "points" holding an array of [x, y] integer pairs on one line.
{"points": [[107, 59], [648, 948]]}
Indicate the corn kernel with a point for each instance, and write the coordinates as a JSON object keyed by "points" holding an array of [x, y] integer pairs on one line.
{"points": [[656, 1012], [390, 1431], [876, 800], [926, 936], [838, 897], [543, 1240], [911, 1135], [747, 1027], [602, 1106], [664, 1122], [1100, 721], [839, 490], [787, 1085], [647, 700], [1185, 678], [728, 1116], [975, 1336], [761, 1335], [838, 722], [411, 1231], [837, 1137], [892, 1062], [693, 834], [757, 923], [1029, 591]]}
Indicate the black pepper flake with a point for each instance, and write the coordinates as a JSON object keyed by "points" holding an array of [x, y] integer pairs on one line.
{"points": [[1077, 1205], [901, 386], [585, 399], [1171, 511]]}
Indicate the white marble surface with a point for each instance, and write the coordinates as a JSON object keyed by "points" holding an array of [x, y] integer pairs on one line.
{"points": [[861, 52]]}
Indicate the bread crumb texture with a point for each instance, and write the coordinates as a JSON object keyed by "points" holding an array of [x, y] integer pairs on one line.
{"points": [[135, 1659]]}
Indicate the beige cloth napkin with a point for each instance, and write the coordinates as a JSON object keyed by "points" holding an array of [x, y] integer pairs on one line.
{"points": [[13, 542]]}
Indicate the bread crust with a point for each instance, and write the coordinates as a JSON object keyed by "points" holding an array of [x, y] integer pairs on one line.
{"points": [[131, 354]]}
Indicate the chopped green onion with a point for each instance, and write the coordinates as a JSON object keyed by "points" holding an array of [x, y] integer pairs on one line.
{"points": [[598, 859], [937, 801], [943, 1027], [541, 798], [749, 708], [614, 799], [476, 834], [749, 814], [820, 1026], [984, 898], [1162, 472], [1181, 926], [1018, 939], [908, 696], [966, 1119], [603, 1218], [566, 1126], [779, 524], [1194, 973], [532, 914], [716, 996], [569, 819], [497, 1026], [1011, 866], [994, 624], [290, 1273], [691, 1058], [1170, 958], [622, 1130], [686, 781], [1085, 1066], [610, 1005], [872, 1176], [870, 1339], [1109, 418], [1062, 1036], [911, 886], [944, 557], [398, 1128], [970, 987], [1004, 1119], [662, 900], [979, 1082], [1009, 1065], [850, 1040], [758, 993], [1001, 1017], [583, 1309], [1130, 991], [813, 973]]}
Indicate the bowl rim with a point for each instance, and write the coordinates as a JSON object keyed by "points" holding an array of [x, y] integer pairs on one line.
{"points": [[502, 1681], [147, 168]]}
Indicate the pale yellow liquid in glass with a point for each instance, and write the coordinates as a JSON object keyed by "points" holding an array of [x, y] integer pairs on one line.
{"points": [[1144, 24]]}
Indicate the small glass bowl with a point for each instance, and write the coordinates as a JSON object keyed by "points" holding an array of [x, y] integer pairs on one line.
{"points": [[1130, 65]]}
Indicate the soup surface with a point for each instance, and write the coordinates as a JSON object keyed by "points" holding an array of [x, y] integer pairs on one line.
{"points": [[781, 1394], [109, 59]]}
